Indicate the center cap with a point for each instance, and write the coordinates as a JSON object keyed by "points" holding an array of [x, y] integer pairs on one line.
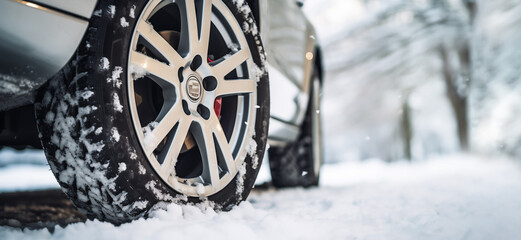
{"points": [[193, 88]]}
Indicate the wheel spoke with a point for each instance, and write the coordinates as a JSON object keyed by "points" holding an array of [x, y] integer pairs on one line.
{"points": [[222, 144], [175, 145], [204, 31], [156, 68], [235, 87], [205, 141], [189, 30], [159, 44], [230, 63], [163, 127]]}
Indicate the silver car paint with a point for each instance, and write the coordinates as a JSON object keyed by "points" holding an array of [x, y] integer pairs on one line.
{"points": [[81, 8], [38, 39]]}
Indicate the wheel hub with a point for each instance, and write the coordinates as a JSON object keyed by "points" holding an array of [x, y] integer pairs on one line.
{"points": [[193, 88]]}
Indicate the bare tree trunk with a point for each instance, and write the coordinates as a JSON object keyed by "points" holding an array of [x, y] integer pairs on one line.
{"points": [[457, 99], [471, 9], [407, 128], [458, 81]]}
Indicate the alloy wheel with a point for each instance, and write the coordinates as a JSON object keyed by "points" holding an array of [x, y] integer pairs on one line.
{"points": [[192, 93]]}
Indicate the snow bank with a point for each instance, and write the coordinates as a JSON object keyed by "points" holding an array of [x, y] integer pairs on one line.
{"points": [[26, 177], [10, 157], [24, 170]]}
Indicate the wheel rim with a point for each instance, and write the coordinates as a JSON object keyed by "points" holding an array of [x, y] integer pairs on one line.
{"points": [[173, 87]]}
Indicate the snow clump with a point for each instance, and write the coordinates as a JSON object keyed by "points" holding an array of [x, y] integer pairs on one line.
{"points": [[112, 11], [200, 189], [49, 117], [104, 63], [123, 22], [151, 186], [97, 13], [117, 104], [85, 95], [140, 205], [142, 169], [115, 77], [122, 167], [240, 180], [149, 135], [251, 148], [137, 71], [132, 13], [115, 134]]}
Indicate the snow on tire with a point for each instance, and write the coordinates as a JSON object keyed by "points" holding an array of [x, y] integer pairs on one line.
{"points": [[111, 121]]}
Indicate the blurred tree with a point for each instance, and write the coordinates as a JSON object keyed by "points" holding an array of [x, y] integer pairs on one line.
{"points": [[399, 47], [456, 95], [458, 61], [407, 127], [458, 79]]}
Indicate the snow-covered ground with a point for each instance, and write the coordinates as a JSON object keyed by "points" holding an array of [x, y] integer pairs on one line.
{"points": [[24, 170], [456, 197]]}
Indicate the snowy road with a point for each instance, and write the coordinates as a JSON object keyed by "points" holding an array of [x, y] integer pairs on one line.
{"points": [[448, 198]]}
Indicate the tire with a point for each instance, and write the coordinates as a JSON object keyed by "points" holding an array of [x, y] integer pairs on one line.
{"points": [[146, 114], [298, 163]]}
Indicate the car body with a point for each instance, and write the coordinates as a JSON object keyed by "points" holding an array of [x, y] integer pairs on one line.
{"points": [[33, 52]]}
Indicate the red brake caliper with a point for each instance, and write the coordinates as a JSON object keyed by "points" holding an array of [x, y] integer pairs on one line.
{"points": [[217, 105]]}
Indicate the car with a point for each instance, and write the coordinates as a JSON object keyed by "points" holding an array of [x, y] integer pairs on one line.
{"points": [[141, 103]]}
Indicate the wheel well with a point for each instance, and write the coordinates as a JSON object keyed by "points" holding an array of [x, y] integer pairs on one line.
{"points": [[18, 128]]}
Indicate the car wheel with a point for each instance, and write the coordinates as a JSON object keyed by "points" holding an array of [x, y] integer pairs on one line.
{"points": [[163, 102], [299, 162]]}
